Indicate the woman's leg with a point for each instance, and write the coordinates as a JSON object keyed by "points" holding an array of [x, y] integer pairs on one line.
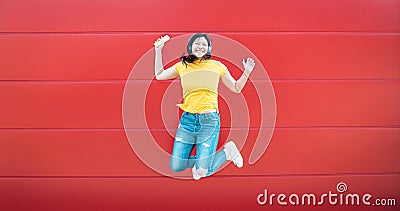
{"points": [[215, 160], [183, 144], [208, 161], [181, 159]]}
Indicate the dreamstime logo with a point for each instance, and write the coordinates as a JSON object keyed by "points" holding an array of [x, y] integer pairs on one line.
{"points": [[311, 199], [341, 187], [149, 106]]}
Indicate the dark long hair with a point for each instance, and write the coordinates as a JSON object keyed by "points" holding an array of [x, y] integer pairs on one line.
{"points": [[190, 58]]}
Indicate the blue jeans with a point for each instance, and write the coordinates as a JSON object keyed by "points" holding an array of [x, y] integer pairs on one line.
{"points": [[202, 131]]}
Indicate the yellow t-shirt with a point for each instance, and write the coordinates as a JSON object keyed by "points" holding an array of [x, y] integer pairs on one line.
{"points": [[199, 82]]}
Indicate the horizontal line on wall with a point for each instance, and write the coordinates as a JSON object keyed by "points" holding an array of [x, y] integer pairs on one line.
{"points": [[228, 128], [219, 176], [190, 32], [176, 81]]}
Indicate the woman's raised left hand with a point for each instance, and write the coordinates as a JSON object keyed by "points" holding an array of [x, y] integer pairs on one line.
{"points": [[248, 65]]}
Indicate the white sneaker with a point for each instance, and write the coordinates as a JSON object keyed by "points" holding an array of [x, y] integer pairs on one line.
{"points": [[196, 176], [233, 154]]}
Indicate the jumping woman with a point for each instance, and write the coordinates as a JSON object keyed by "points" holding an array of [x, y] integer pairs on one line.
{"points": [[200, 122]]}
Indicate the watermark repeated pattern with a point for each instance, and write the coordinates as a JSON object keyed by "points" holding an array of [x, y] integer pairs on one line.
{"points": [[139, 89]]}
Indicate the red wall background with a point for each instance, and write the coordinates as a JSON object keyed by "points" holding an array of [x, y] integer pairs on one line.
{"points": [[334, 66]]}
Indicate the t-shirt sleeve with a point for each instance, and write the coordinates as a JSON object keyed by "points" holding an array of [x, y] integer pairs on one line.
{"points": [[222, 68], [178, 67]]}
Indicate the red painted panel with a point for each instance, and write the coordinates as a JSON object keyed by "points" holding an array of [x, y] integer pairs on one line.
{"points": [[108, 153], [99, 104], [216, 193], [60, 105], [283, 55], [338, 103], [153, 15]]}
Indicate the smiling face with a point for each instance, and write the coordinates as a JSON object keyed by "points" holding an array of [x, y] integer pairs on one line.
{"points": [[200, 47]]}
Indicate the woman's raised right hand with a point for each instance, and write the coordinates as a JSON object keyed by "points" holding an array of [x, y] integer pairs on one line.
{"points": [[159, 43], [159, 46]]}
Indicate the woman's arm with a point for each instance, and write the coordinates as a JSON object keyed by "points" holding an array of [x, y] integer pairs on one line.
{"points": [[237, 86], [160, 73]]}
